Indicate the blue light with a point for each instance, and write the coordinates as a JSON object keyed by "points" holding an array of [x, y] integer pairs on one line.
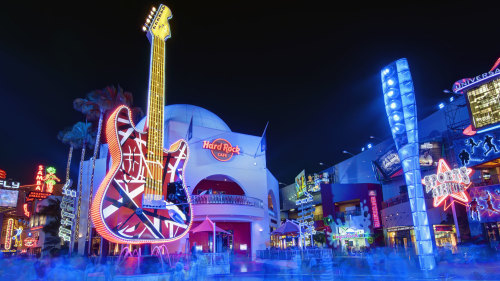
{"points": [[399, 93], [441, 105], [451, 99], [396, 117], [363, 149], [369, 146]]}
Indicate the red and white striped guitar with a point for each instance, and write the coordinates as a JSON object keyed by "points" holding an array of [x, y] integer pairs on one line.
{"points": [[143, 198]]}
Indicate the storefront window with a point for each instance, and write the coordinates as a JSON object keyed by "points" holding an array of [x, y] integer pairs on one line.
{"points": [[446, 237]]}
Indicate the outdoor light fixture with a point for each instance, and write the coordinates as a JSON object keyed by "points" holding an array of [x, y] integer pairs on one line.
{"points": [[401, 108], [369, 146], [347, 152], [441, 105]]}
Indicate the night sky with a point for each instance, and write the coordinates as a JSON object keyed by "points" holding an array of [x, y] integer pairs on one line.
{"points": [[311, 70]]}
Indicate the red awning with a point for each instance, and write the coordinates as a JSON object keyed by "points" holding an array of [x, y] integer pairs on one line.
{"points": [[207, 226]]}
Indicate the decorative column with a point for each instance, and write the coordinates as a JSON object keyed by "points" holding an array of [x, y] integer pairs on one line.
{"points": [[401, 108]]}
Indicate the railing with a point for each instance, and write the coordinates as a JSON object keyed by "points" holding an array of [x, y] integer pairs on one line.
{"points": [[227, 199], [346, 214], [402, 199], [485, 182], [291, 254]]}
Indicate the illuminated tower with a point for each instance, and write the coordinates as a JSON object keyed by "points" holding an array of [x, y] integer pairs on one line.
{"points": [[399, 98]]}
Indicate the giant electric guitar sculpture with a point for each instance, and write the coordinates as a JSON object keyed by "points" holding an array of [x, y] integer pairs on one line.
{"points": [[143, 198]]}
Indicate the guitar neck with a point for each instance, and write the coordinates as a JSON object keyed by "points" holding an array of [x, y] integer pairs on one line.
{"points": [[156, 104]]}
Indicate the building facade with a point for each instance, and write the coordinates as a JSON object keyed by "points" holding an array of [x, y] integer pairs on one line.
{"points": [[227, 178]]}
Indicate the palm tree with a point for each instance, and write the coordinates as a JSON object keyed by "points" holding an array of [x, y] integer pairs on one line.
{"points": [[79, 136], [96, 106]]}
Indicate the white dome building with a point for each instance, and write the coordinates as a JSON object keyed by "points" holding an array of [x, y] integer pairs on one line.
{"points": [[237, 190]]}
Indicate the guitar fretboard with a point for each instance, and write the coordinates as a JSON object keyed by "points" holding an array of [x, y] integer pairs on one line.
{"points": [[156, 106]]}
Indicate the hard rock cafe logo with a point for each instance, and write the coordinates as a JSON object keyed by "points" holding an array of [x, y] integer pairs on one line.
{"points": [[221, 149], [447, 182]]}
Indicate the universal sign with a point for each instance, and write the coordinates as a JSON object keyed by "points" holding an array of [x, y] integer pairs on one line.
{"points": [[221, 149], [459, 86], [447, 182]]}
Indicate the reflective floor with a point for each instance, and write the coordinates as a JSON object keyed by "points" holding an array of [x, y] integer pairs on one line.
{"points": [[381, 264]]}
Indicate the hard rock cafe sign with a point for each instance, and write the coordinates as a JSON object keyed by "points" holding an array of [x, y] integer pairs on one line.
{"points": [[221, 149], [448, 183]]}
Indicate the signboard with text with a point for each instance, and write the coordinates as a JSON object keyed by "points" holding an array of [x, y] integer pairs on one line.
{"points": [[221, 149], [448, 183]]}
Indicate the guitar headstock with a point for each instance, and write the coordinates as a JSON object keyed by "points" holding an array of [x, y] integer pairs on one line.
{"points": [[157, 22]]}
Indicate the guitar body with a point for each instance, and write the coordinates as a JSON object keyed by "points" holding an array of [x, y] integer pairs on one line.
{"points": [[117, 210]]}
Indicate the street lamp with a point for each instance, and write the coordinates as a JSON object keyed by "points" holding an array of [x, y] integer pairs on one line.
{"points": [[446, 91], [347, 152]]}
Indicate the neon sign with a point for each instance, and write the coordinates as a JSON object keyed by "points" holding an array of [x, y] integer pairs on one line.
{"points": [[447, 182], [221, 149], [3, 174], [9, 184], [67, 212], [30, 242], [37, 195], [373, 201], [26, 211], [465, 83], [17, 237], [50, 179], [8, 234], [39, 178]]}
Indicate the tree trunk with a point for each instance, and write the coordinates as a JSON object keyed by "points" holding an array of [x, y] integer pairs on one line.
{"points": [[77, 223], [96, 150], [70, 155]]}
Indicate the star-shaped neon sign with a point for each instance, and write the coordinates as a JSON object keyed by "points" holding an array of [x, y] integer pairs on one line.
{"points": [[447, 182]]}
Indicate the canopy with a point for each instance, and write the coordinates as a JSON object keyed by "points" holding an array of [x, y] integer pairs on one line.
{"points": [[207, 226], [286, 228]]}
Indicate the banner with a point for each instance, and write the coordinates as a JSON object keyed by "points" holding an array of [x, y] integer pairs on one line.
{"points": [[478, 149], [300, 184], [314, 181], [485, 203], [389, 162]]}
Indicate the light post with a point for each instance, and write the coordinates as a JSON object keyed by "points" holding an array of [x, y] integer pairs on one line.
{"points": [[347, 152]]}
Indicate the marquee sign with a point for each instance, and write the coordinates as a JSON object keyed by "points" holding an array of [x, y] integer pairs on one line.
{"points": [[37, 195], [8, 234], [373, 202], [67, 212], [461, 85], [447, 182], [221, 149], [39, 178]]}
